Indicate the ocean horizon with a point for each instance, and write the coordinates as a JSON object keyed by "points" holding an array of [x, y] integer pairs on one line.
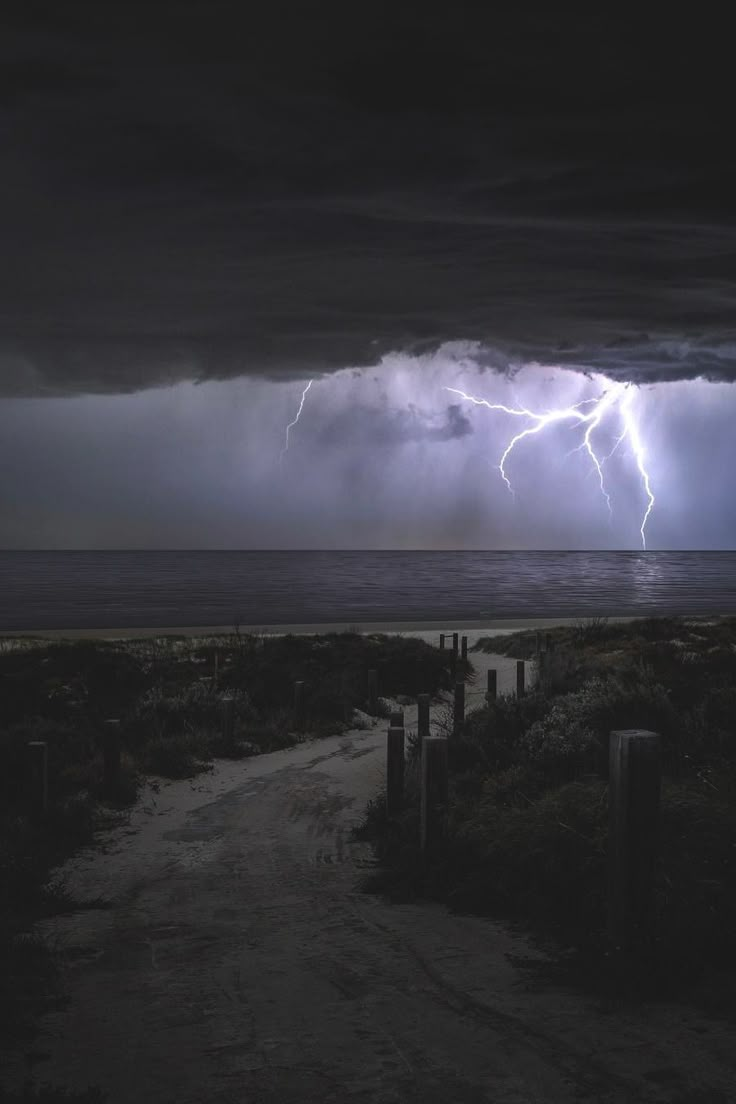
{"points": [[128, 588]]}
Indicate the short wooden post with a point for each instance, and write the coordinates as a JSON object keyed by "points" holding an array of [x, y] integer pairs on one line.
{"points": [[538, 647], [548, 642], [455, 644], [634, 785], [459, 708], [442, 642], [394, 770], [228, 722], [217, 666], [433, 808], [422, 718], [299, 718], [492, 690], [38, 771], [111, 755], [520, 678], [396, 720], [541, 667], [464, 647], [373, 691]]}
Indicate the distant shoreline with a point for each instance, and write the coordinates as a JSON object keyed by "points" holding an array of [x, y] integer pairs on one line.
{"points": [[500, 625]]}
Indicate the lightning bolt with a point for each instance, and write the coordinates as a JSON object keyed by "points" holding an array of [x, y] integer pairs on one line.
{"points": [[617, 396], [631, 432], [291, 425]]}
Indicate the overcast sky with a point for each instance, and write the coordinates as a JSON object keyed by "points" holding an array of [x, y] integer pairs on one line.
{"points": [[204, 205]]}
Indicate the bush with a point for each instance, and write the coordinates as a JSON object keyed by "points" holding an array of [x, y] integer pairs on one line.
{"points": [[573, 734], [192, 709], [541, 859], [175, 756]]}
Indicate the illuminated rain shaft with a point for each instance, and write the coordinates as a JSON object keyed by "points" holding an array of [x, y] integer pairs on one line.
{"points": [[291, 425], [590, 412]]}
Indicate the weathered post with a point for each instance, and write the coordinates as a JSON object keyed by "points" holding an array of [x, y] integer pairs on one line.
{"points": [[548, 642], [394, 770], [634, 785], [228, 722], [38, 772], [396, 720], [442, 642], [538, 647], [373, 691], [492, 684], [459, 708], [422, 718], [520, 678], [299, 715], [454, 645], [217, 667], [111, 755], [433, 807], [541, 667], [464, 647]]}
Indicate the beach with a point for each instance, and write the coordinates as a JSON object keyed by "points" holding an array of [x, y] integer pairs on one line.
{"points": [[425, 630]]}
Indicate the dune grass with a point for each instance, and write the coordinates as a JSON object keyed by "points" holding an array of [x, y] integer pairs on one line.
{"points": [[527, 831]]}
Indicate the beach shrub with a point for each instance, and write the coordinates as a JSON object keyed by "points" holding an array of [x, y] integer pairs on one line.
{"points": [[179, 755], [573, 734], [539, 857], [193, 708]]}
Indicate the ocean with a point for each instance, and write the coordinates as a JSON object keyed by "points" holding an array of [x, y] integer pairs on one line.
{"points": [[88, 590]]}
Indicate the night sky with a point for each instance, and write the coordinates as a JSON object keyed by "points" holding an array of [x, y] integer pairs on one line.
{"points": [[204, 205]]}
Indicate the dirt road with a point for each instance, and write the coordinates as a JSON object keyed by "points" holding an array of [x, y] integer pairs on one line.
{"points": [[240, 963]]}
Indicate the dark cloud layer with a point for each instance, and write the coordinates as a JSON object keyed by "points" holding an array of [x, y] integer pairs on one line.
{"points": [[206, 190]]}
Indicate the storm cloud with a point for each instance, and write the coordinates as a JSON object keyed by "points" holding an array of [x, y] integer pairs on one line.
{"points": [[383, 458], [189, 194]]}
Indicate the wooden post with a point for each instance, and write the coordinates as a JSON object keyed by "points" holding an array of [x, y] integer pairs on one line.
{"points": [[538, 647], [217, 666], [396, 720], [454, 644], [459, 710], [394, 770], [464, 647], [541, 667], [422, 718], [373, 691], [433, 807], [38, 764], [634, 785], [520, 678], [549, 645], [111, 756], [442, 642], [299, 706], [492, 684], [228, 722]]}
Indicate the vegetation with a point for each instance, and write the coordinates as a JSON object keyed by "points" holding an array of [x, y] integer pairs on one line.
{"points": [[528, 813]]}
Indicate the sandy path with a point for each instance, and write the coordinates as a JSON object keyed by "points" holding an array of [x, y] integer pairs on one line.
{"points": [[240, 963]]}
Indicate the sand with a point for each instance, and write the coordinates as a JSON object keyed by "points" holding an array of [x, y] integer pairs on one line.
{"points": [[425, 629]]}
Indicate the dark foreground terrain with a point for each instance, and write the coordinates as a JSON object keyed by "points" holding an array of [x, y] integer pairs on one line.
{"points": [[216, 943]]}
